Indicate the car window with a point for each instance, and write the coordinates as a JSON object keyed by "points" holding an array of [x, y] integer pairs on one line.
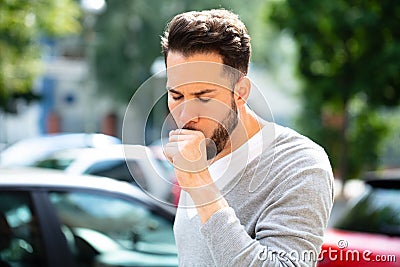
{"points": [[96, 226], [377, 211], [54, 163], [118, 169], [20, 239]]}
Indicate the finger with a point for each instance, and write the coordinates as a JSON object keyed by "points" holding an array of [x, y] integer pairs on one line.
{"points": [[179, 137], [183, 132], [171, 150]]}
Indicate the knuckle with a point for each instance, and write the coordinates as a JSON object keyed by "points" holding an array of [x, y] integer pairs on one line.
{"points": [[200, 134]]}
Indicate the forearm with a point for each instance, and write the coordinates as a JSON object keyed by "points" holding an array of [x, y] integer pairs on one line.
{"points": [[230, 245], [207, 199], [208, 202]]}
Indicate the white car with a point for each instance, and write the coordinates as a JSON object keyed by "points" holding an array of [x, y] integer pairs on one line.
{"points": [[26, 152], [132, 163]]}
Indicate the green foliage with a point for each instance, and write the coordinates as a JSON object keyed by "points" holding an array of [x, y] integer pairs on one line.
{"points": [[342, 44], [346, 49], [127, 42], [366, 133], [21, 25]]}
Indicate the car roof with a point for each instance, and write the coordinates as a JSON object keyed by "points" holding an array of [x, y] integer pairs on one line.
{"points": [[44, 145], [48, 178], [53, 178], [385, 183], [383, 174], [388, 178], [112, 151]]}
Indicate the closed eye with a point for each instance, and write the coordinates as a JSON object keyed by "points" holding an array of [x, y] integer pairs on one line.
{"points": [[174, 94], [204, 99], [177, 97]]}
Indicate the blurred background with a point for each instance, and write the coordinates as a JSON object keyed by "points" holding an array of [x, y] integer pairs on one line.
{"points": [[329, 69]]}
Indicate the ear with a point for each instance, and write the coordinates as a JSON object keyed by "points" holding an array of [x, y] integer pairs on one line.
{"points": [[242, 89]]}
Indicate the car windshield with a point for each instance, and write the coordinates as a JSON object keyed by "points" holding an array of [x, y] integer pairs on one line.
{"points": [[54, 163], [376, 211]]}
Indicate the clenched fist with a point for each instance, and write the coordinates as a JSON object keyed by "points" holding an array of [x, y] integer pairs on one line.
{"points": [[186, 150]]}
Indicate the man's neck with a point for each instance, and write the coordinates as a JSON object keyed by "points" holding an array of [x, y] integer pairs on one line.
{"points": [[247, 127]]}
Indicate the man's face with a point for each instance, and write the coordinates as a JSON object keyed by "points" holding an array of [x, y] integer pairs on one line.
{"points": [[201, 98]]}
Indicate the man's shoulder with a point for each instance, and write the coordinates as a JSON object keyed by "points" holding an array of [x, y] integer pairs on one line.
{"points": [[288, 136], [294, 159], [290, 146]]}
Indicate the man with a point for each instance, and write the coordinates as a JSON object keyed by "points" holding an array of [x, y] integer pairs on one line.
{"points": [[254, 193]]}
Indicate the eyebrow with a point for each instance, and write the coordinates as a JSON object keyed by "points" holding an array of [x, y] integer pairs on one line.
{"points": [[202, 92]]}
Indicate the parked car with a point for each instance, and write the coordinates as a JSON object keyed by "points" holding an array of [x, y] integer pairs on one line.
{"points": [[368, 233], [28, 151], [131, 163], [52, 219]]}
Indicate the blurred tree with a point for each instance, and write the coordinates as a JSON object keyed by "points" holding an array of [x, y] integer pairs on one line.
{"points": [[22, 23], [349, 63], [125, 45]]}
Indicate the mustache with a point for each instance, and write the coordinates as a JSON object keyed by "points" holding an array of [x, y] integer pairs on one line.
{"points": [[189, 128]]}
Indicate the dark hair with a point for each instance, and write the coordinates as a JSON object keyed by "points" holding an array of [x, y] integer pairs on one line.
{"points": [[216, 30]]}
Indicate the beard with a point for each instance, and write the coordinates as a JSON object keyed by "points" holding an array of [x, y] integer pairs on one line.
{"points": [[220, 136]]}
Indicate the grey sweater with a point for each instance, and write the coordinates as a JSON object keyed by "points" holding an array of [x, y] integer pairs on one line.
{"points": [[280, 223]]}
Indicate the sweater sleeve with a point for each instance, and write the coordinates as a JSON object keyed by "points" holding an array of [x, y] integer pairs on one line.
{"points": [[288, 232]]}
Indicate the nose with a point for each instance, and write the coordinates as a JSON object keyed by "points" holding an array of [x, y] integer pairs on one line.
{"points": [[185, 113]]}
